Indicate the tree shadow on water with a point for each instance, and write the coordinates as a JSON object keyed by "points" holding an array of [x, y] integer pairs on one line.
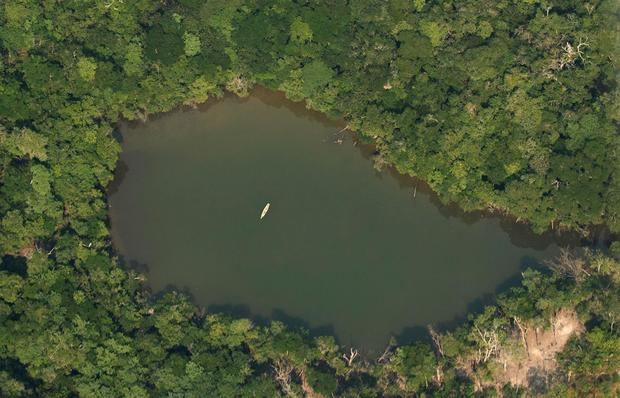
{"points": [[175, 289], [117, 134], [520, 233], [278, 99], [233, 310], [120, 172], [277, 314], [416, 333], [132, 265], [296, 322]]}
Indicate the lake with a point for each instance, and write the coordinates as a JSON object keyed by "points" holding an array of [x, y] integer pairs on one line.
{"points": [[344, 249]]}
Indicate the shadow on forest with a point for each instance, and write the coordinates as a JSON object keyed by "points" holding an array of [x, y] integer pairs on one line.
{"points": [[14, 265]]}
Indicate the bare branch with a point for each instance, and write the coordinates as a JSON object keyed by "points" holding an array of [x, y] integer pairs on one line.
{"points": [[523, 331], [569, 266], [282, 372], [351, 357], [386, 354], [436, 340]]}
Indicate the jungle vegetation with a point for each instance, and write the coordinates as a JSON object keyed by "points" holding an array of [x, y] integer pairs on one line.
{"points": [[507, 105]]}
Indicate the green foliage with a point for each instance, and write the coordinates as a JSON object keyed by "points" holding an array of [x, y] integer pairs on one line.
{"points": [[419, 5], [164, 42], [301, 32], [324, 383], [87, 68], [192, 44], [25, 144], [40, 180], [10, 287], [591, 359], [315, 75], [415, 365], [507, 105], [436, 31], [134, 64], [17, 27]]}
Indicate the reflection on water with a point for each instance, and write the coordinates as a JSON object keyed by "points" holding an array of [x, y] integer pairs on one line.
{"points": [[343, 249]]}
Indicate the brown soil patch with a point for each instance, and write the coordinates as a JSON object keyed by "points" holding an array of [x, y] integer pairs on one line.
{"points": [[521, 368]]}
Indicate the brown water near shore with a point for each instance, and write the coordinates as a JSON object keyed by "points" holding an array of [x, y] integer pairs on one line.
{"points": [[344, 249]]}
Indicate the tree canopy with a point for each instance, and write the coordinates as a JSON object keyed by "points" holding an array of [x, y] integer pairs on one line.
{"points": [[509, 106]]}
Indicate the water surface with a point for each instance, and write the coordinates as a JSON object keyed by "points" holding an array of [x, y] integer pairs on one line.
{"points": [[344, 249]]}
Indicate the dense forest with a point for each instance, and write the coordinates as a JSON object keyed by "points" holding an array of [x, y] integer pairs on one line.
{"points": [[508, 106]]}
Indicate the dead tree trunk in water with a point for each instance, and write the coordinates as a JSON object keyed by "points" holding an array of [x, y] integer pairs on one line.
{"points": [[386, 354]]}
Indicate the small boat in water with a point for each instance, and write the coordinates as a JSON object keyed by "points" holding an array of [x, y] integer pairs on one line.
{"points": [[265, 210]]}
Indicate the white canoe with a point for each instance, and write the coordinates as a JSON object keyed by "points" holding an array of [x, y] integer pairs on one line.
{"points": [[265, 210]]}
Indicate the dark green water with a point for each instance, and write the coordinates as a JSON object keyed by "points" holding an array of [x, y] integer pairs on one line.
{"points": [[343, 249]]}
